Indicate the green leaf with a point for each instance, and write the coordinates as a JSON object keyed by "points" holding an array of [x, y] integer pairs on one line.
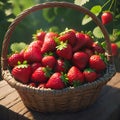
{"points": [[97, 32], [95, 10], [49, 14], [81, 2], [86, 19], [118, 44], [17, 47]]}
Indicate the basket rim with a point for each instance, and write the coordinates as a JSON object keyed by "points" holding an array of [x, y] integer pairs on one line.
{"points": [[110, 72]]}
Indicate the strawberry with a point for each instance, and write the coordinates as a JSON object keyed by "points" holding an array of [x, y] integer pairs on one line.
{"points": [[89, 41], [57, 81], [41, 74], [80, 41], [40, 34], [114, 48], [88, 51], [32, 84], [50, 35], [14, 59], [49, 61], [80, 59], [106, 17], [97, 48], [90, 75], [64, 50], [68, 35], [49, 43], [97, 63], [32, 54], [75, 76], [37, 44], [61, 65], [22, 52], [42, 85], [22, 72], [35, 65]]}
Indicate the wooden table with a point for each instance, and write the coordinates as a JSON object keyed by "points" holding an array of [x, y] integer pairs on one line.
{"points": [[107, 107]]}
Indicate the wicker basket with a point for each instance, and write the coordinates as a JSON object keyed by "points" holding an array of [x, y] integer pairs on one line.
{"points": [[68, 99]]}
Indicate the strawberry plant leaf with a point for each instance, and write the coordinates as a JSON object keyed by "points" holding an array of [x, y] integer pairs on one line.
{"points": [[81, 2], [97, 32], [95, 10], [49, 14], [17, 47]]}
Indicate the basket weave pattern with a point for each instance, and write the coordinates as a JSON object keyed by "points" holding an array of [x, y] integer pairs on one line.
{"points": [[68, 99]]}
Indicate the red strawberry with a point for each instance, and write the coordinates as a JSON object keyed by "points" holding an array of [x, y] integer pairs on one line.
{"points": [[97, 63], [22, 73], [22, 52], [41, 74], [89, 41], [40, 34], [14, 59], [56, 81], [37, 44], [80, 59], [97, 48], [64, 50], [32, 84], [42, 85], [68, 35], [90, 75], [106, 17], [80, 41], [49, 43], [75, 76], [49, 61], [61, 65], [88, 51], [50, 35], [35, 65], [114, 48], [32, 54]]}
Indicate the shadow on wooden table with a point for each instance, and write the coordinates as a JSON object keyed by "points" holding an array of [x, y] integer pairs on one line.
{"points": [[7, 114]]}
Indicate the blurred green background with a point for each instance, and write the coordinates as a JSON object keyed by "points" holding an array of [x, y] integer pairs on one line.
{"points": [[56, 18]]}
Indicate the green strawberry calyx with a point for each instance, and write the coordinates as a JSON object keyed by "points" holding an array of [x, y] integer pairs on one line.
{"points": [[104, 58], [89, 70], [76, 83], [62, 45], [22, 65], [48, 54], [64, 78], [48, 71]]}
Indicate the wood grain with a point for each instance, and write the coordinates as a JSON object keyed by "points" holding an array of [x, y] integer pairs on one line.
{"points": [[107, 106]]}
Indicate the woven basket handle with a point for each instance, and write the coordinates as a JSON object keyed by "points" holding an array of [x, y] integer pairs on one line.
{"points": [[49, 5]]}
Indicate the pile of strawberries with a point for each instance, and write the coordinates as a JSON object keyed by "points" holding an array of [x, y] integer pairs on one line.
{"points": [[59, 60]]}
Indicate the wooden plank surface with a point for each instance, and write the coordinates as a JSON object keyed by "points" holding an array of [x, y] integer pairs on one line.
{"points": [[107, 107]]}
